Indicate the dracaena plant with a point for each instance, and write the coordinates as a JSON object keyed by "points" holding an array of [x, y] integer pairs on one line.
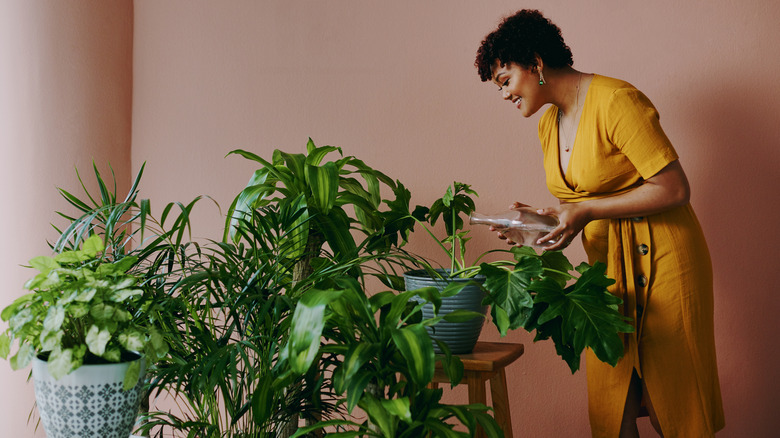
{"points": [[377, 350], [540, 293], [339, 201]]}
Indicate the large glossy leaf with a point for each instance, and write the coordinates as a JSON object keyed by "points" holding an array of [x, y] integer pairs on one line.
{"points": [[324, 184], [306, 328], [354, 360], [509, 297], [335, 226], [379, 415], [588, 314], [416, 347]]}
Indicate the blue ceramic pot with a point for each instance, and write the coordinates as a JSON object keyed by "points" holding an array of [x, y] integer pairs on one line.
{"points": [[460, 337]]}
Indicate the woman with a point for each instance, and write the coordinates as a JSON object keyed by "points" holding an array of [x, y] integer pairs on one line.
{"points": [[620, 183]]}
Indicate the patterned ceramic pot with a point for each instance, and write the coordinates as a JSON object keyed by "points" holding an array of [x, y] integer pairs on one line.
{"points": [[89, 402], [460, 337]]}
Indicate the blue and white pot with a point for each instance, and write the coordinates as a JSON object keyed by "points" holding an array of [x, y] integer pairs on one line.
{"points": [[460, 337], [89, 402]]}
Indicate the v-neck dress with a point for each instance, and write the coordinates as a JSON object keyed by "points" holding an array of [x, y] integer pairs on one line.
{"points": [[660, 262]]}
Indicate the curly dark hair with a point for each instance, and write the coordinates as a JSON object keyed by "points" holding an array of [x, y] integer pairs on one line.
{"points": [[518, 39]]}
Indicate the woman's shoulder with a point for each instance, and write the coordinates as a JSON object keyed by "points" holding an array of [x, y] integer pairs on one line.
{"points": [[610, 93], [608, 85]]}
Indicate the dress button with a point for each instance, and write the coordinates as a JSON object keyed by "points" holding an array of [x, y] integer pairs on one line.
{"points": [[641, 280], [637, 219], [643, 249]]}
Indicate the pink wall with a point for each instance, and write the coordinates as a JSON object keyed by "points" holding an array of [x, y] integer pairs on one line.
{"points": [[65, 99], [393, 83]]}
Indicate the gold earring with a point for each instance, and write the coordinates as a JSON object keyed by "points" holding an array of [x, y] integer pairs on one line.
{"points": [[541, 78]]}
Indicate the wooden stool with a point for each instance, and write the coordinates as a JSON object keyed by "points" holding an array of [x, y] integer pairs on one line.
{"points": [[487, 362]]}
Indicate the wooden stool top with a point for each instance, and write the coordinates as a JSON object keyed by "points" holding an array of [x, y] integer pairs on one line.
{"points": [[491, 356]]}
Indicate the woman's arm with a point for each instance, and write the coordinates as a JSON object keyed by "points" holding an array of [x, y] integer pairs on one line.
{"points": [[665, 190]]}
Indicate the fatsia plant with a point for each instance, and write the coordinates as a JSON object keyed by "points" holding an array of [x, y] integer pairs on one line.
{"points": [[536, 292]]}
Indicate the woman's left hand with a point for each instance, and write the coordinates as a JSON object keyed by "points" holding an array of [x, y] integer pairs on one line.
{"points": [[572, 218]]}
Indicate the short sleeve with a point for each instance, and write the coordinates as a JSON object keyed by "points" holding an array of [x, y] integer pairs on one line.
{"points": [[635, 129]]}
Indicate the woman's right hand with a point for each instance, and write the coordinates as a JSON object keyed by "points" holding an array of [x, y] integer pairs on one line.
{"points": [[499, 231]]}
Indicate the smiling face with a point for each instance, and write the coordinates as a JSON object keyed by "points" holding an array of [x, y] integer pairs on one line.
{"points": [[519, 85]]}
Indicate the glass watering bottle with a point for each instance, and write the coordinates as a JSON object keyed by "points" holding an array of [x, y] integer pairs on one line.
{"points": [[522, 225]]}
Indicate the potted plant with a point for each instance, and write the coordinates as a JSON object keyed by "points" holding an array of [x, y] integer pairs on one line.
{"points": [[537, 292], [302, 218], [82, 330], [90, 324], [381, 361]]}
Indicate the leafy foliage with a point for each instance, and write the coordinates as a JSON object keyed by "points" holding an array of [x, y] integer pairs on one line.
{"points": [[233, 313], [323, 190], [381, 360], [82, 303], [102, 292], [541, 293]]}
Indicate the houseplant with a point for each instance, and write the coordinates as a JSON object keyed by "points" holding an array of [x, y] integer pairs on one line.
{"points": [[235, 313], [302, 217], [538, 292], [381, 361], [83, 310], [95, 305]]}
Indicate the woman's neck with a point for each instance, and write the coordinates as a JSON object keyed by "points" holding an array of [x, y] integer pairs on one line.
{"points": [[566, 88]]}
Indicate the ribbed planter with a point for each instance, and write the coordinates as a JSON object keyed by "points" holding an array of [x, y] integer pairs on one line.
{"points": [[460, 337], [89, 402]]}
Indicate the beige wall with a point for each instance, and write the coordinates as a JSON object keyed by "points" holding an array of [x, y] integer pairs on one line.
{"points": [[393, 83], [65, 99]]}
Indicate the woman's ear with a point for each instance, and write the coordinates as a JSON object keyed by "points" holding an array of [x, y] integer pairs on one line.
{"points": [[539, 63]]}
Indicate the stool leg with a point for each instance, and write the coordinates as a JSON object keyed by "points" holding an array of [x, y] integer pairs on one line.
{"points": [[500, 395], [477, 394]]}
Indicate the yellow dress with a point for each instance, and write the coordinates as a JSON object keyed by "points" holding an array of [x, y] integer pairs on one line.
{"points": [[661, 264]]}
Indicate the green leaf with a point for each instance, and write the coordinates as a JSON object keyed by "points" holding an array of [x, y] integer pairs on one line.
{"points": [[132, 340], [50, 340], [132, 375], [306, 328], [398, 407], [316, 154], [11, 309], [60, 363], [23, 356], [356, 388], [379, 415], [93, 245], [453, 367], [415, 346], [354, 360], [44, 264], [335, 226], [5, 345], [509, 291], [489, 425], [97, 339], [324, 184], [462, 315], [54, 318], [588, 318]]}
